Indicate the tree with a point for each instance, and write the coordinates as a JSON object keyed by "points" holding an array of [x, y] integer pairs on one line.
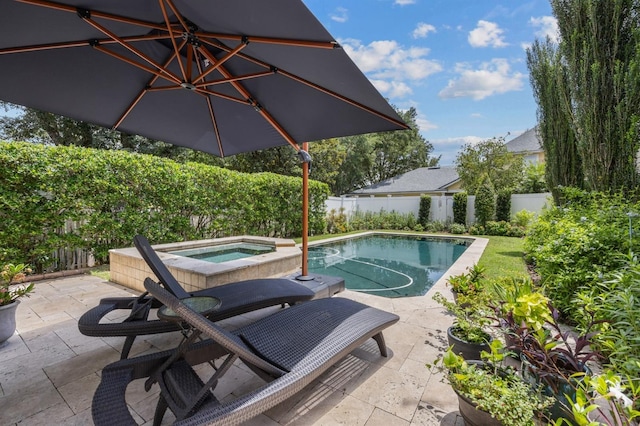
{"points": [[600, 46], [485, 202], [424, 210], [551, 88], [599, 52], [460, 207], [488, 158], [398, 152], [533, 180]]}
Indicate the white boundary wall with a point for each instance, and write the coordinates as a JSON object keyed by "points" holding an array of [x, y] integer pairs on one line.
{"points": [[441, 206]]}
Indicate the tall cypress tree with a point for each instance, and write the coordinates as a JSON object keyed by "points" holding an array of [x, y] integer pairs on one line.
{"points": [[552, 91], [599, 45]]}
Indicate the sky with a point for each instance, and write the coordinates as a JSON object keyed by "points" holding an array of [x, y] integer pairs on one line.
{"points": [[460, 63]]}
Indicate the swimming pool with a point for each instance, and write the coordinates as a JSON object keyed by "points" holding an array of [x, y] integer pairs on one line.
{"points": [[225, 252], [387, 265]]}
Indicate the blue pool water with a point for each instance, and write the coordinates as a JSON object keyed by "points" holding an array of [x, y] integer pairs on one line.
{"points": [[387, 265], [225, 252]]}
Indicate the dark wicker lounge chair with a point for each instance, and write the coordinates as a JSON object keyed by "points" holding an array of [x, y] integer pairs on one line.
{"points": [[237, 298], [290, 349]]}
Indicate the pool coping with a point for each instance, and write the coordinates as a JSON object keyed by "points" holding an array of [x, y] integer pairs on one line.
{"points": [[470, 257]]}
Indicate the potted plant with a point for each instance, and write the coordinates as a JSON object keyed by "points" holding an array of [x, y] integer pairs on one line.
{"points": [[519, 306], [467, 285], [490, 394], [551, 360], [10, 291], [467, 335]]}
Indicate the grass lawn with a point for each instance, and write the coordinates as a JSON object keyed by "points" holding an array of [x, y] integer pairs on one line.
{"points": [[504, 257]]}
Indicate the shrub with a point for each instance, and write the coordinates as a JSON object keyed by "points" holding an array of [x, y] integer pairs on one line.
{"points": [[337, 222], [572, 246], [424, 210], [503, 206], [460, 208], [456, 228], [382, 220], [523, 218], [435, 226], [114, 195], [615, 300], [485, 203]]}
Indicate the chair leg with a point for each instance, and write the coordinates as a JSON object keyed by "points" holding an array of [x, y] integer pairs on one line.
{"points": [[128, 342], [379, 338], [161, 408]]}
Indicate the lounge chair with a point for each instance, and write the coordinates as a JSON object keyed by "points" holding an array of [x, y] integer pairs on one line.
{"points": [[290, 349], [237, 298]]}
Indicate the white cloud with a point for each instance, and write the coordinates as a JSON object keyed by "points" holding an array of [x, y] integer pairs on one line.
{"points": [[393, 89], [448, 148], [547, 27], [404, 2], [459, 141], [390, 66], [487, 34], [492, 78], [340, 15], [422, 30], [425, 125], [477, 115]]}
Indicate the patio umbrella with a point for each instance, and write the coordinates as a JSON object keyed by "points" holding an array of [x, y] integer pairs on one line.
{"points": [[223, 77]]}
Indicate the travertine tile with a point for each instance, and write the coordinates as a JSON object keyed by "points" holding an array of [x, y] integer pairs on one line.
{"points": [[79, 393], [392, 391], [28, 400], [382, 418], [362, 389]]}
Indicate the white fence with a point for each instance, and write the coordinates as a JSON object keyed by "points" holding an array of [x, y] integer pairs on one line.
{"points": [[441, 206]]}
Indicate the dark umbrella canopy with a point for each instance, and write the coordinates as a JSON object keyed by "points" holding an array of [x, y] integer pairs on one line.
{"points": [[223, 77]]}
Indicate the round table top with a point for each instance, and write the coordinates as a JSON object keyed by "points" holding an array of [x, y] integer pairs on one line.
{"points": [[201, 304]]}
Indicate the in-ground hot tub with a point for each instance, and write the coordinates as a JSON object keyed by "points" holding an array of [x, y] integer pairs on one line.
{"points": [[275, 257]]}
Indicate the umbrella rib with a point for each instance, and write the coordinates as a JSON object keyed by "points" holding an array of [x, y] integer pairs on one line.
{"points": [[272, 40], [219, 62], [245, 93], [310, 84], [112, 17], [145, 91], [173, 41], [177, 13], [79, 43], [342, 98], [212, 115], [132, 49], [138, 65], [236, 78]]}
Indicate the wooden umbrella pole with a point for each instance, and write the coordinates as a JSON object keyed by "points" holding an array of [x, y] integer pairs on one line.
{"points": [[305, 212]]}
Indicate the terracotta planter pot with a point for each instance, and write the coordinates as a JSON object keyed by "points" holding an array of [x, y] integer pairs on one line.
{"points": [[8, 320], [466, 349]]}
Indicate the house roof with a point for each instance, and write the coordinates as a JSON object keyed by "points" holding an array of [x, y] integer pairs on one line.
{"points": [[422, 180], [525, 143]]}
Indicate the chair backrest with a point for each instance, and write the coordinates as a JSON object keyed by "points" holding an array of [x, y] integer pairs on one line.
{"points": [[224, 338], [165, 276]]}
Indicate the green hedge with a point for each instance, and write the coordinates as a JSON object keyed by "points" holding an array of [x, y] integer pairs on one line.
{"points": [[114, 195]]}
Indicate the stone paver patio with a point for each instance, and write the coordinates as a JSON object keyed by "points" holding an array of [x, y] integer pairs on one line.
{"points": [[49, 371]]}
